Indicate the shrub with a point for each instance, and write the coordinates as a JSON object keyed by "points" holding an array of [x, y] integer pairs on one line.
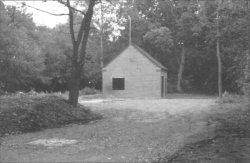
{"points": [[88, 91], [231, 98], [1, 92]]}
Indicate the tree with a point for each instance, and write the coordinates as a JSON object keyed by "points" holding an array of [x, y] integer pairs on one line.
{"points": [[228, 22], [79, 43], [188, 29], [56, 47], [160, 38], [20, 56], [182, 19], [79, 34]]}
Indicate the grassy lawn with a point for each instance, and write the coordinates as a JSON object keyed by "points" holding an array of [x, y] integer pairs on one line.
{"points": [[21, 113]]}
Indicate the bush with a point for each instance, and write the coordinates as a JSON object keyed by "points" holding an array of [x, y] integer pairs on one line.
{"points": [[1, 92], [231, 98], [22, 112], [88, 91]]}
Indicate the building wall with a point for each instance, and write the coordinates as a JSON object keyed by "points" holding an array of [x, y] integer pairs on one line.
{"points": [[142, 77]]}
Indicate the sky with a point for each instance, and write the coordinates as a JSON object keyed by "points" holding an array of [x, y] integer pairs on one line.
{"points": [[41, 18]]}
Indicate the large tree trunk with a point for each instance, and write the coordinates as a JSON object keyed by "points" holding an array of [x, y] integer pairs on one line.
{"points": [[78, 57], [181, 68], [74, 85], [74, 82]]}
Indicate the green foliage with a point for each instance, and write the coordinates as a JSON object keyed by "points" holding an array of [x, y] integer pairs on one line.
{"points": [[36, 57], [57, 50], [20, 57], [160, 38]]}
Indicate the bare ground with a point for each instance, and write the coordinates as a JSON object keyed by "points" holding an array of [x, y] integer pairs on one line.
{"points": [[132, 130]]}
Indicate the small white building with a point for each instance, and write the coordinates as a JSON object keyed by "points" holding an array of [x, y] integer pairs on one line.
{"points": [[134, 74]]}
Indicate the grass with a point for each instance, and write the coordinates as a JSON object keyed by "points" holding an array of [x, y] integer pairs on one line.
{"points": [[21, 113], [230, 141]]}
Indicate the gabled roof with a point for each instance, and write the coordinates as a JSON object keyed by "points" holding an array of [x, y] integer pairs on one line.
{"points": [[145, 54]]}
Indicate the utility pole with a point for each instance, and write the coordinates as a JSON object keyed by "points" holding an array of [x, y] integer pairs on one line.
{"points": [[101, 42], [218, 51], [101, 57], [130, 30]]}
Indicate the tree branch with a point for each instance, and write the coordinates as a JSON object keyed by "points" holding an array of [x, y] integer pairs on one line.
{"points": [[80, 33], [68, 33], [69, 6], [86, 21], [71, 24], [24, 4]]}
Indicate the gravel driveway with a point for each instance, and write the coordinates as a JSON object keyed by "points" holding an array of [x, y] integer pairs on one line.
{"points": [[132, 130]]}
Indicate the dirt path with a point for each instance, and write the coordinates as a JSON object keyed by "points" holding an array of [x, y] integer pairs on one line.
{"points": [[132, 130]]}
